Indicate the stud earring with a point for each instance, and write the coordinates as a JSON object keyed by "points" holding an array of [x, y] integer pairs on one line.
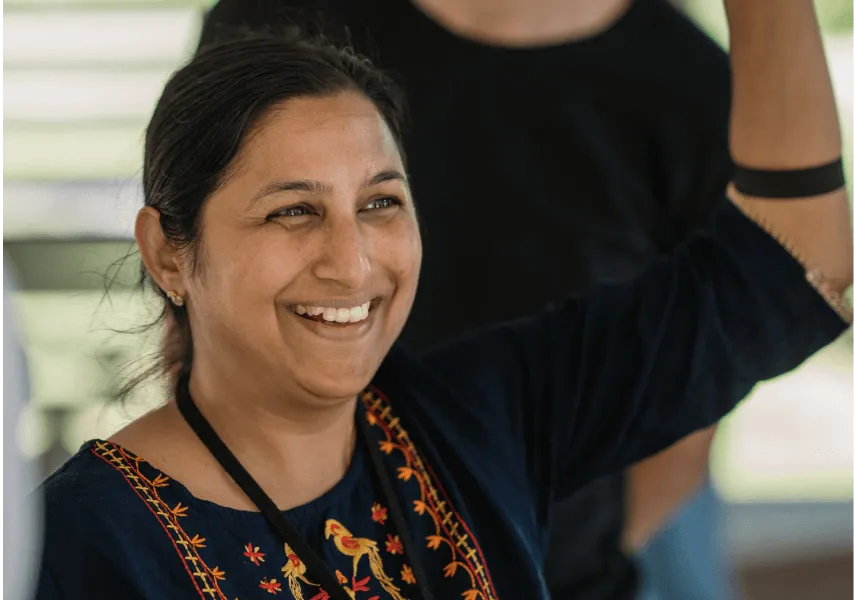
{"points": [[175, 298]]}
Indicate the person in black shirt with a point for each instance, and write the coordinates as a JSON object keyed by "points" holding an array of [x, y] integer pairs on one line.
{"points": [[554, 150]]}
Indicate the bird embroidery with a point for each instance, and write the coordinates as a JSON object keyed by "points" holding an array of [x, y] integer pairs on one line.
{"points": [[357, 548], [294, 572]]}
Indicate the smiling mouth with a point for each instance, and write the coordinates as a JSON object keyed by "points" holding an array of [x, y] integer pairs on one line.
{"points": [[335, 316]]}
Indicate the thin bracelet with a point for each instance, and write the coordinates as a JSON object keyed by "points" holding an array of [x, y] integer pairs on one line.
{"points": [[834, 298]]}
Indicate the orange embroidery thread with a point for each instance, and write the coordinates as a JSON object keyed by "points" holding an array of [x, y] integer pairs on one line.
{"points": [[466, 553], [357, 548], [167, 516]]}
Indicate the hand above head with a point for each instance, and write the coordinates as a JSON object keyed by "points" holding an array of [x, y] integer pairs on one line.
{"points": [[784, 118]]}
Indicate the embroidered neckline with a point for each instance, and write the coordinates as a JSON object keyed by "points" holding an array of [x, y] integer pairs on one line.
{"points": [[451, 540], [451, 531], [340, 492]]}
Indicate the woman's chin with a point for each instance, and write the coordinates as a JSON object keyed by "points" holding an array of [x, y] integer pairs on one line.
{"points": [[336, 388], [332, 375]]}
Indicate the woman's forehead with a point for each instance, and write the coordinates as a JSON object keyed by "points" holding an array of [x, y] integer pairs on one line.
{"points": [[334, 143], [322, 134]]}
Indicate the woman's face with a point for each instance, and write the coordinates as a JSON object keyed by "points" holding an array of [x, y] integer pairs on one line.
{"points": [[310, 252]]}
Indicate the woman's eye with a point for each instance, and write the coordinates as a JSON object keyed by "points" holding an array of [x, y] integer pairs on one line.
{"points": [[291, 211], [380, 203]]}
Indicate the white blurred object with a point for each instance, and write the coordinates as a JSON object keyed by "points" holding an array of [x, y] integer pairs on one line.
{"points": [[34, 209], [73, 37], [21, 506], [61, 95], [792, 438]]}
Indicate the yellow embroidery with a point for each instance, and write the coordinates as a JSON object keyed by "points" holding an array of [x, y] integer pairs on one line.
{"points": [[450, 529], [294, 571], [272, 586], [254, 554], [393, 545], [204, 578], [407, 575], [379, 514], [357, 548]]}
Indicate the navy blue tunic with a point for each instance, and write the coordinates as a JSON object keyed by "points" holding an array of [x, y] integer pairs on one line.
{"points": [[552, 167], [482, 437]]}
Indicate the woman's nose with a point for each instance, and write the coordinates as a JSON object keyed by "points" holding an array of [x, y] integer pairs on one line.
{"points": [[345, 258]]}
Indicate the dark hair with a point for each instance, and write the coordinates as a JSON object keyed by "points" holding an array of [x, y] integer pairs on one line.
{"points": [[207, 109]]}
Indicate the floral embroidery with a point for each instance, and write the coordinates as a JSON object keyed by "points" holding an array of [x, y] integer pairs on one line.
{"points": [[379, 514], [434, 541], [407, 575], [204, 579], [357, 548], [361, 585], [272, 586], [466, 556], [393, 545], [450, 535], [254, 555]]}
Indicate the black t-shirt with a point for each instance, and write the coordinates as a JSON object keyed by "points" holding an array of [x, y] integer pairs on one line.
{"points": [[539, 172]]}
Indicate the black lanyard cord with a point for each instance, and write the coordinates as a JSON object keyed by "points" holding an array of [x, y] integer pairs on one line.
{"points": [[204, 431], [316, 568], [396, 512]]}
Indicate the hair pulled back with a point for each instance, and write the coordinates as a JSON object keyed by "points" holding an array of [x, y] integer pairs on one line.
{"points": [[204, 115]]}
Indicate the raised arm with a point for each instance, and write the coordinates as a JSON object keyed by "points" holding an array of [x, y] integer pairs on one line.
{"points": [[784, 117], [600, 382]]}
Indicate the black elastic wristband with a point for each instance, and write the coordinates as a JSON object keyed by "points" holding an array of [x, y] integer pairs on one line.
{"points": [[789, 183]]}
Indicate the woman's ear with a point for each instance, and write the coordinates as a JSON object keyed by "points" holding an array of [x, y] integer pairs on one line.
{"points": [[161, 259]]}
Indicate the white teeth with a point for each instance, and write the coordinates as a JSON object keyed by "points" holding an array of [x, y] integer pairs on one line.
{"points": [[337, 315]]}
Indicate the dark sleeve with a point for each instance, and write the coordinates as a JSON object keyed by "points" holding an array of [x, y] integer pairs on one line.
{"points": [[584, 558], [103, 583], [47, 588], [88, 550], [603, 381]]}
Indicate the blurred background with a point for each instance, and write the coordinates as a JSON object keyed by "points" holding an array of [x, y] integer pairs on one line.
{"points": [[81, 78]]}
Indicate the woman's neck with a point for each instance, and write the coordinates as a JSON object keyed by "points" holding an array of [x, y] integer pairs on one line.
{"points": [[513, 23], [294, 451], [294, 455]]}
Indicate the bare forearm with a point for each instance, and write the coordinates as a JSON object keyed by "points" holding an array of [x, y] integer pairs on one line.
{"points": [[660, 485], [784, 117], [783, 112]]}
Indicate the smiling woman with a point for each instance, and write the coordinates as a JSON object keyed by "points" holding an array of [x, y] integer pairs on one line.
{"points": [[303, 165], [339, 210], [304, 453]]}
